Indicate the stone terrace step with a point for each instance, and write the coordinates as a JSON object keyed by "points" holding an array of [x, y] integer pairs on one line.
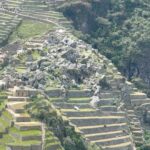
{"points": [[28, 125], [108, 101], [84, 105], [103, 128], [55, 146], [54, 93], [94, 120], [17, 107], [13, 98], [111, 141], [122, 146], [108, 108], [138, 95], [79, 93], [138, 133], [107, 95], [71, 105], [79, 100], [135, 129], [19, 117], [146, 105], [138, 102], [89, 113], [130, 111], [105, 135], [31, 137]]}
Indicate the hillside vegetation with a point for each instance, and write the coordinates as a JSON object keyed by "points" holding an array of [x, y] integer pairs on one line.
{"points": [[119, 29]]}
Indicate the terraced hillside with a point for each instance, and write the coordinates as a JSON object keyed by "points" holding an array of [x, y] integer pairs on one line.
{"points": [[13, 11], [37, 10], [69, 73], [106, 127], [19, 130], [121, 123], [7, 24]]}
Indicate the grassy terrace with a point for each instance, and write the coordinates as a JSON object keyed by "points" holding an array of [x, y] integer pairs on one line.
{"points": [[5, 120], [79, 100], [6, 138], [2, 104], [51, 141], [24, 143], [20, 69], [36, 55], [29, 29], [7, 25], [26, 133], [12, 136], [81, 110], [10, 139]]}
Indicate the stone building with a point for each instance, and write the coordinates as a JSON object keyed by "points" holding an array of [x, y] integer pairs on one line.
{"points": [[24, 91]]}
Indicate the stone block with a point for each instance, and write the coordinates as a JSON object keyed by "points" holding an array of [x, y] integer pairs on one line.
{"points": [[36, 147], [79, 93], [54, 93]]}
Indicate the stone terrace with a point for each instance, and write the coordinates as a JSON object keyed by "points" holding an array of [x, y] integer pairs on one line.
{"points": [[18, 130], [106, 127], [7, 24], [37, 10]]}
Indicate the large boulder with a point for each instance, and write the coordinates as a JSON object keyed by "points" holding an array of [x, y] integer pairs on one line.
{"points": [[71, 55]]}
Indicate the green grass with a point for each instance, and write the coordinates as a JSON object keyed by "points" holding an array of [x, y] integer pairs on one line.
{"points": [[4, 123], [24, 143], [2, 147], [2, 129], [81, 110], [9, 140], [36, 55], [26, 133], [8, 115], [29, 29], [6, 139], [2, 105], [20, 69], [59, 99], [80, 99]]}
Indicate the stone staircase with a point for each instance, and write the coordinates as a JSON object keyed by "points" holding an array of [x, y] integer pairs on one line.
{"points": [[135, 127], [139, 98]]}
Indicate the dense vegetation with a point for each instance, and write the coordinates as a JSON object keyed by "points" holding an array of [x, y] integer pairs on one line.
{"points": [[120, 29]]}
